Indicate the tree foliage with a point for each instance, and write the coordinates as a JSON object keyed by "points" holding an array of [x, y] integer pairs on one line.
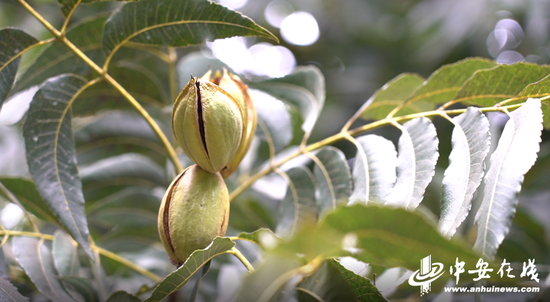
{"points": [[100, 155]]}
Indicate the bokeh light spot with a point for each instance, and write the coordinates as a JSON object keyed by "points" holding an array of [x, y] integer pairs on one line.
{"points": [[262, 59], [300, 28], [276, 11], [272, 61]]}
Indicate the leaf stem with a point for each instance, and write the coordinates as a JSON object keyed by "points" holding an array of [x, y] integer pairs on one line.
{"points": [[173, 57], [128, 263], [242, 258], [101, 251], [102, 72], [68, 17]]}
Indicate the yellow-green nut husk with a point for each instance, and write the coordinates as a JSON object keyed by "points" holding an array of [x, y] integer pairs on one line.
{"points": [[194, 210], [208, 124], [239, 90]]}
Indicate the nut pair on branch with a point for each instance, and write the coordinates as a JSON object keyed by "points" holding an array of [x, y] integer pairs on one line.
{"points": [[214, 121]]}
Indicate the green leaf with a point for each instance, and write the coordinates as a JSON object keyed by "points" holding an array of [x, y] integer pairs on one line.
{"points": [[374, 169], [515, 154], [82, 286], [175, 23], [131, 217], [258, 236], [304, 88], [198, 258], [68, 6], [27, 194], [325, 284], [298, 207], [51, 156], [126, 198], [266, 283], [109, 175], [65, 255], [445, 82], [471, 142], [274, 123], [415, 163], [363, 289], [333, 178], [8, 292], [394, 237], [116, 133], [13, 43], [119, 209], [57, 58], [248, 214], [36, 260], [488, 87], [537, 90], [392, 95], [333, 282], [122, 296]]}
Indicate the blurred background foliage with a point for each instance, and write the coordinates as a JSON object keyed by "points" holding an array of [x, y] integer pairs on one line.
{"points": [[359, 45]]}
